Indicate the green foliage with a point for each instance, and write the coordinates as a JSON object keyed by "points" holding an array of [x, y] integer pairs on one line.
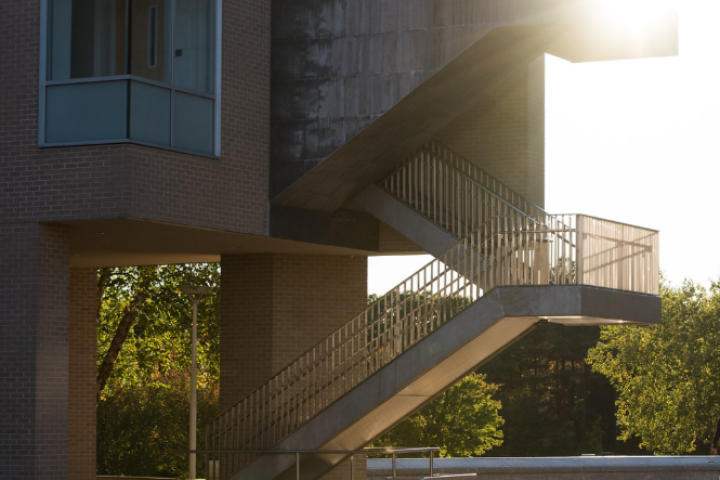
{"points": [[463, 421], [553, 404], [160, 341], [144, 408], [667, 376], [142, 430]]}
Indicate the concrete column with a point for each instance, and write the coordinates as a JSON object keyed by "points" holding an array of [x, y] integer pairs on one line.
{"points": [[34, 292], [82, 381], [504, 134], [276, 306]]}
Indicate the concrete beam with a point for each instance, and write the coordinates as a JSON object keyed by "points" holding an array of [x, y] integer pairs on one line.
{"points": [[410, 223]]}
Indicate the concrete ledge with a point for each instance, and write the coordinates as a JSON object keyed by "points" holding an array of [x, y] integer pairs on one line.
{"points": [[546, 468]]}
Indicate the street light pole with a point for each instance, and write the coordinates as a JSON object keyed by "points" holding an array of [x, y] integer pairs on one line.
{"points": [[195, 293], [193, 393]]}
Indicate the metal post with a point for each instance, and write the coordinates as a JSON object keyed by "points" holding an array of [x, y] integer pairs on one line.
{"points": [[393, 465], [297, 465], [431, 463], [352, 467], [193, 392], [579, 252]]}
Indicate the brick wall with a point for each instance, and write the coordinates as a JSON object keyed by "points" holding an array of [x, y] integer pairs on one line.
{"points": [[390, 240], [505, 133], [82, 383], [34, 266], [118, 181], [276, 306]]}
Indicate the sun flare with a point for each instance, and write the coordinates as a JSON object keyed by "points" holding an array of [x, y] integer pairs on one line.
{"points": [[634, 14]]}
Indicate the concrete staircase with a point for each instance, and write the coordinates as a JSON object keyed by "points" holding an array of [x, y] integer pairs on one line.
{"points": [[502, 266]]}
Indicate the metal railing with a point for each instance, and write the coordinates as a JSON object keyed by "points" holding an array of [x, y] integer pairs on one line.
{"points": [[454, 193], [512, 250], [617, 255], [213, 460]]}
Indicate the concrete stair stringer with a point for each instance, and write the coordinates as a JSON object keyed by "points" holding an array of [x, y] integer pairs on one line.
{"points": [[414, 378]]}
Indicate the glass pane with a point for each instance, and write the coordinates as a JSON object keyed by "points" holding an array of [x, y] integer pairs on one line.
{"points": [[193, 126], [86, 38], [86, 112], [149, 113], [194, 46], [151, 39]]}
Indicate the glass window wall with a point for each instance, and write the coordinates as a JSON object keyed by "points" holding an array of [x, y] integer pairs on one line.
{"points": [[160, 53]]}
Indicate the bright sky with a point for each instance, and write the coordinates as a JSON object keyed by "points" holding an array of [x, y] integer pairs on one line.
{"points": [[635, 141]]}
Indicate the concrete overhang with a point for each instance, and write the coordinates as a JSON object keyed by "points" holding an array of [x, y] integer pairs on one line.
{"points": [[126, 242], [579, 32]]}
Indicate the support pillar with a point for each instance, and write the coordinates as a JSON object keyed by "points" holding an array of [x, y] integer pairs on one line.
{"points": [[34, 293], [273, 308], [82, 396]]}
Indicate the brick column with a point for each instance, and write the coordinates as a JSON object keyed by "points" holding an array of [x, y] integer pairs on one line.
{"points": [[82, 397], [276, 306], [34, 281]]}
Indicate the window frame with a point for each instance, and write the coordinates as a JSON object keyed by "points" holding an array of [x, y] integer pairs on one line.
{"points": [[44, 84]]}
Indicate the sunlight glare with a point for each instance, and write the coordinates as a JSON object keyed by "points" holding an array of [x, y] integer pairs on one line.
{"points": [[634, 14]]}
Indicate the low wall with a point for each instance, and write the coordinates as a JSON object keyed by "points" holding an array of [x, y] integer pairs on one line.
{"points": [[558, 468]]}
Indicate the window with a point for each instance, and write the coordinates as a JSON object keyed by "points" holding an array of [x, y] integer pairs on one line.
{"points": [[152, 36], [143, 71]]}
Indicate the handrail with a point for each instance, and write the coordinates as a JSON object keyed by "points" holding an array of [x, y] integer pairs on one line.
{"points": [[394, 451], [482, 177], [452, 192]]}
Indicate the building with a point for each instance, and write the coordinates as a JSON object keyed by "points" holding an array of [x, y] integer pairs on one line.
{"points": [[291, 140]]}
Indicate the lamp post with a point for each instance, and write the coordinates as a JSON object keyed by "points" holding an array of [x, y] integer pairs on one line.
{"points": [[195, 293]]}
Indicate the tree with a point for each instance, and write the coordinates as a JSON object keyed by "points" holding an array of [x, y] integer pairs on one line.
{"points": [[143, 430], [144, 343], [552, 403], [667, 375], [463, 421], [144, 324]]}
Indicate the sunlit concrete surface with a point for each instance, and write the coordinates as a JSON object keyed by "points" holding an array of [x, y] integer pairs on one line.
{"points": [[558, 468]]}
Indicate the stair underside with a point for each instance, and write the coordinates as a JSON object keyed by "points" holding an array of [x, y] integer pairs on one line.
{"points": [[435, 363]]}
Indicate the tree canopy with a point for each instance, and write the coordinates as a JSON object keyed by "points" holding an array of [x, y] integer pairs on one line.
{"points": [[553, 405], [159, 331], [667, 375], [463, 421]]}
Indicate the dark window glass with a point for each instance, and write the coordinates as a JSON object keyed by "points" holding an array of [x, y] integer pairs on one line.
{"points": [[87, 38]]}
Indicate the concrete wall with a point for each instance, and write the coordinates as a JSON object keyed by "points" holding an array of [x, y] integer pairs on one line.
{"points": [[338, 65], [560, 468], [119, 181], [274, 307]]}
